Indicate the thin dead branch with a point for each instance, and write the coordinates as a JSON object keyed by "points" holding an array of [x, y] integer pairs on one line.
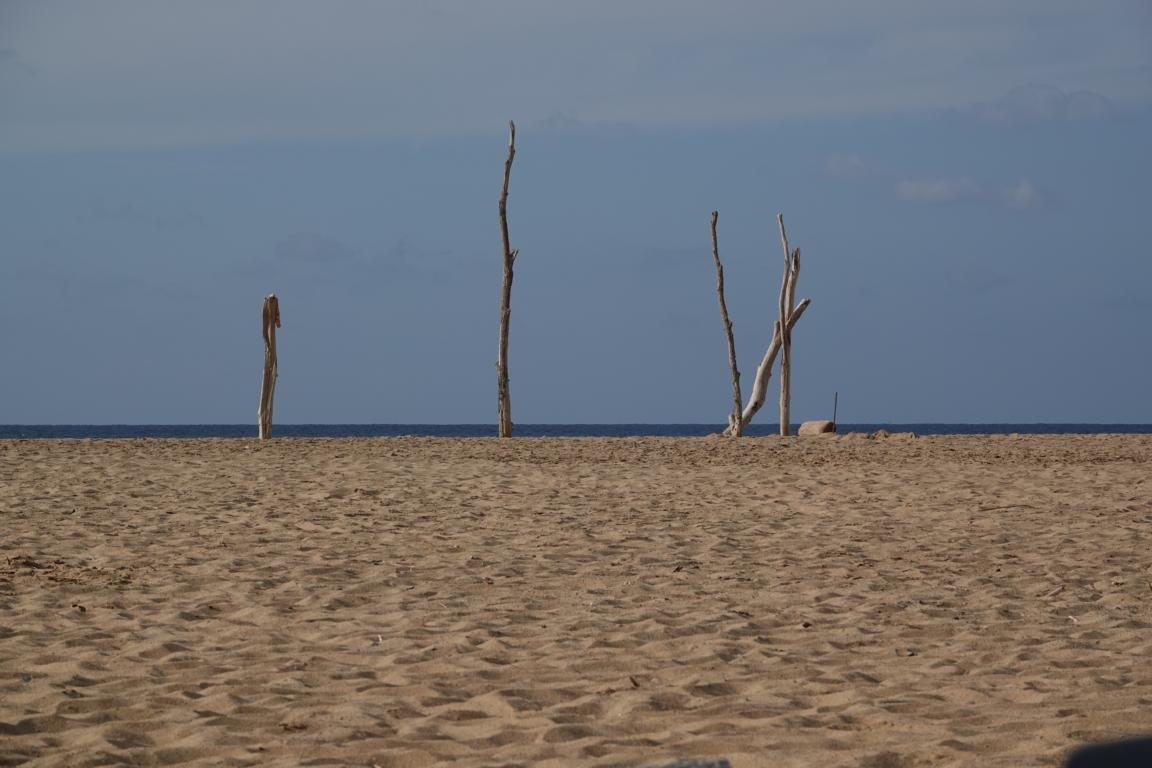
{"points": [[502, 395], [735, 424]]}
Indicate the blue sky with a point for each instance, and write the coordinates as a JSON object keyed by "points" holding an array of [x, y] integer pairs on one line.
{"points": [[969, 186]]}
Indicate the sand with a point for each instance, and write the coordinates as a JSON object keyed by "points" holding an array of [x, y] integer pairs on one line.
{"points": [[943, 601]]}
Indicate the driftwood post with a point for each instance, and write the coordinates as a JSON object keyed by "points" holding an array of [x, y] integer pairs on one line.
{"points": [[268, 386], [735, 425], [505, 402], [787, 307]]}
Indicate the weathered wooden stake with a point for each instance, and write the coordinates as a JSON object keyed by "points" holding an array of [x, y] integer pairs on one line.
{"points": [[505, 402], [735, 424], [268, 386]]}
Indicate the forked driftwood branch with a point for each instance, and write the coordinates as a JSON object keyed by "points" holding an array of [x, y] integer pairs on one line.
{"points": [[503, 398], [781, 344], [735, 424], [764, 371], [271, 321]]}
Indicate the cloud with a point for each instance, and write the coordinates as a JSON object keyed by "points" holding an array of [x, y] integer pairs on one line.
{"points": [[10, 61], [675, 257], [938, 190], [407, 258], [567, 124], [560, 122], [311, 248], [1022, 195], [138, 74], [1034, 103], [847, 166], [323, 258]]}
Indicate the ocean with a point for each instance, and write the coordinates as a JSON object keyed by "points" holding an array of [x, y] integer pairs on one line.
{"points": [[102, 431]]}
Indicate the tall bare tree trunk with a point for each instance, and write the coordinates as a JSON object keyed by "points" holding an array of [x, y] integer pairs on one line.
{"points": [[268, 385], [735, 425], [505, 402], [787, 306]]}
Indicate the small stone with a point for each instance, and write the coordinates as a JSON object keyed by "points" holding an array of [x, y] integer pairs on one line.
{"points": [[821, 427]]}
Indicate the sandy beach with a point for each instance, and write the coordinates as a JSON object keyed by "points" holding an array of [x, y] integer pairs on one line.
{"points": [[890, 603]]}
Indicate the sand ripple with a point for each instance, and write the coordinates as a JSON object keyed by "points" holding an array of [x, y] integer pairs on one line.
{"points": [[408, 602]]}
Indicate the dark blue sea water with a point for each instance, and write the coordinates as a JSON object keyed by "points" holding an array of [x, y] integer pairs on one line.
{"points": [[30, 431]]}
